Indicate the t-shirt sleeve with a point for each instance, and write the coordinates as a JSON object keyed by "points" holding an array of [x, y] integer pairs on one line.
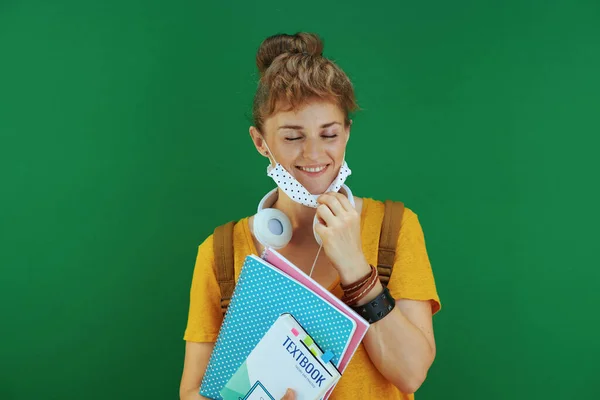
{"points": [[204, 315], [412, 276]]}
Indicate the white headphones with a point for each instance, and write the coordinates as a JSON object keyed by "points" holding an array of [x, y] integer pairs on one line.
{"points": [[272, 228]]}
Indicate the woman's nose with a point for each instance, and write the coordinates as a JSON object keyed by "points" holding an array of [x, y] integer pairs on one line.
{"points": [[312, 149]]}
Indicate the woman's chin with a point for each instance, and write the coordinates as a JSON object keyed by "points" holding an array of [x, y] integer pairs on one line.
{"points": [[317, 186], [317, 189]]}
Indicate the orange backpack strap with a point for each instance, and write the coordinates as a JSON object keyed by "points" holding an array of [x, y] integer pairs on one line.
{"points": [[390, 230], [224, 267]]}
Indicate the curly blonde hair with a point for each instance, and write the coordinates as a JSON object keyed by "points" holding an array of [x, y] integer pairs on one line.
{"points": [[293, 71]]}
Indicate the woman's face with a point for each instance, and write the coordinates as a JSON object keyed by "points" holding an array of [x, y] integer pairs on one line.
{"points": [[308, 142]]}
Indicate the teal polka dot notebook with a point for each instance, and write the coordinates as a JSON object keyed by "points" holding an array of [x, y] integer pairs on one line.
{"points": [[261, 295]]}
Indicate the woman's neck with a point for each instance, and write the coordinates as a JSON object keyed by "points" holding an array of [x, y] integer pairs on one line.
{"points": [[300, 216]]}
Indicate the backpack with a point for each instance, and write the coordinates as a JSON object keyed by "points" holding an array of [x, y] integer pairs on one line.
{"points": [[224, 262]]}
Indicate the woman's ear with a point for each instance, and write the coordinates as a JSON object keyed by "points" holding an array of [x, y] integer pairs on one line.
{"points": [[258, 140], [348, 131]]}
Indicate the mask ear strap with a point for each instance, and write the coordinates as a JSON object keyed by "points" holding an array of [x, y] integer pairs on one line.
{"points": [[270, 153]]}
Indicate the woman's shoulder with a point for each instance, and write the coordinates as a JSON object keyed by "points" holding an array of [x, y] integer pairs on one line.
{"points": [[236, 229], [373, 210]]}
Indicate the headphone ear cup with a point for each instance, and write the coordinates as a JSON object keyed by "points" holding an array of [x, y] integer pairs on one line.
{"points": [[272, 228]]}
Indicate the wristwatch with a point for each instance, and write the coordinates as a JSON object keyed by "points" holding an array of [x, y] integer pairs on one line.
{"points": [[377, 308]]}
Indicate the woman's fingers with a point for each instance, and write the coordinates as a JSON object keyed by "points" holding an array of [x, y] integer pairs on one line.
{"points": [[331, 201], [289, 395], [324, 213], [337, 202]]}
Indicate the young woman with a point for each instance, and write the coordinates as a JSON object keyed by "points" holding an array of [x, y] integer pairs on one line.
{"points": [[301, 126]]}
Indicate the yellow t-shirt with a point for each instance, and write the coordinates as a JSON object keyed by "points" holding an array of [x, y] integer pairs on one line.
{"points": [[412, 278]]}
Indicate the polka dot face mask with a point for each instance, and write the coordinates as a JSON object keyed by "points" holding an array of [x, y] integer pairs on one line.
{"points": [[295, 190]]}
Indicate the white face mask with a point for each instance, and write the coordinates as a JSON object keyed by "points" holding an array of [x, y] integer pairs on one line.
{"points": [[295, 190]]}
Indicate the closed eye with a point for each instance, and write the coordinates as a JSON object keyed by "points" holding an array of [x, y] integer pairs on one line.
{"points": [[324, 136]]}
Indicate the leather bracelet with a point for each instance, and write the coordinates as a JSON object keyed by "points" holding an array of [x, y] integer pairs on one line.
{"points": [[352, 298], [351, 287], [355, 291], [378, 308]]}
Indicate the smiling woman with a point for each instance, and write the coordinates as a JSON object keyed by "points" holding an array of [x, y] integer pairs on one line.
{"points": [[309, 142], [302, 126]]}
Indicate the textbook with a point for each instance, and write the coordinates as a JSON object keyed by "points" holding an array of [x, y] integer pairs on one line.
{"points": [[286, 357], [262, 293]]}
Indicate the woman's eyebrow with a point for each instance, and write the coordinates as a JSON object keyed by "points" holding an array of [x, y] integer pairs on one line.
{"points": [[299, 127], [296, 127], [330, 124]]}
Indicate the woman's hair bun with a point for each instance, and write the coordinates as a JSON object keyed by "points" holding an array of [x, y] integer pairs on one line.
{"points": [[276, 45], [294, 71]]}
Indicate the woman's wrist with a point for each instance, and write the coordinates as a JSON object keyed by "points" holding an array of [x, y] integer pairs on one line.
{"points": [[373, 293], [353, 273]]}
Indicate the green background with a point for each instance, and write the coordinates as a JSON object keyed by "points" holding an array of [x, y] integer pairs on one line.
{"points": [[124, 142]]}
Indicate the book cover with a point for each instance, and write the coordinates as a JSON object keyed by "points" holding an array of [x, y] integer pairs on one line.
{"points": [[262, 293], [286, 357], [362, 326]]}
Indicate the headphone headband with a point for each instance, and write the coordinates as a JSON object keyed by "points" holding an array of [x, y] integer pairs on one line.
{"points": [[267, 199]]}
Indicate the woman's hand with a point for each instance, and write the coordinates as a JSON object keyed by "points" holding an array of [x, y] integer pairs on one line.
{"points": [[339, 229], [289, 395]]}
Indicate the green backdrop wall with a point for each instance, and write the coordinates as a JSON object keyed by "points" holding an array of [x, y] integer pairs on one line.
{"points": [[122, 122]]}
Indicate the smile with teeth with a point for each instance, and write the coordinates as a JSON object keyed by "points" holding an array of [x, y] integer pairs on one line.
{"points": [[315, 169]]}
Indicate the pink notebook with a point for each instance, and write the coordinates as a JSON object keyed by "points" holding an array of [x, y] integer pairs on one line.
{"points": [[281, 263]]}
